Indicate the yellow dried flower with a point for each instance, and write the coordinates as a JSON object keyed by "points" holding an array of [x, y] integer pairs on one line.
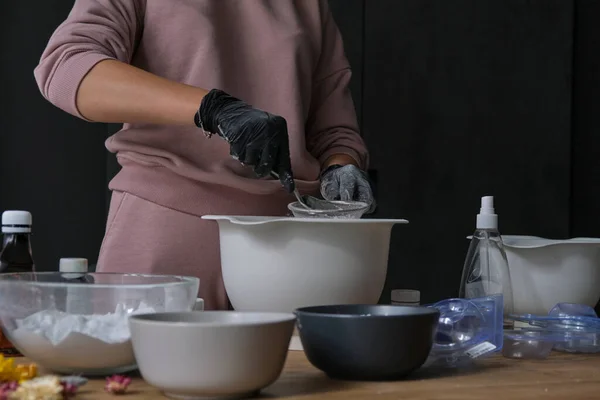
{"points": [[25, 372], [43, 388], [7, 368], [10, 372]]}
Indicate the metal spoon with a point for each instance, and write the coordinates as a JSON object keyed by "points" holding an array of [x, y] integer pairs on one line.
{"points": [[296, 193], [311, 202], [322, 204]]}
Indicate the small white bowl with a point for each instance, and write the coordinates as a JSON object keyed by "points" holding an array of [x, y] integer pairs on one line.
{"points": [[217, 354]]}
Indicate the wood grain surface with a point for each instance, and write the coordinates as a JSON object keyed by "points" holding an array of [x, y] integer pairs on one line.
{"points": [[562, 376]]}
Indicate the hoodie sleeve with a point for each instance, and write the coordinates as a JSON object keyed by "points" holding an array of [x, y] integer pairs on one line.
{"points": [[95, 30], [332, 126]]}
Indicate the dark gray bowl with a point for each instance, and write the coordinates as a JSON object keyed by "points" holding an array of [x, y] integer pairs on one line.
{"points": [[367, 342]]}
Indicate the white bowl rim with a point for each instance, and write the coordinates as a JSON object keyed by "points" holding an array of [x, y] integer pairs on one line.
{"points": [[531, 242], [180, 280], [262, 319], [252, 220]]}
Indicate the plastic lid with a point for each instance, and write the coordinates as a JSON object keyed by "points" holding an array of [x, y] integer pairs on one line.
{"points": [[76, 265], [14, 221], [487, 217], [460, 326]]}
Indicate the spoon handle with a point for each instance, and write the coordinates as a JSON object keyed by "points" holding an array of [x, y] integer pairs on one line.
{"points": [[296, 193]]}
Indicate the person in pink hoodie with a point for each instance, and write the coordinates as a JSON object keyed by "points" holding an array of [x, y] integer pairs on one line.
{"points": [[269, 77]]}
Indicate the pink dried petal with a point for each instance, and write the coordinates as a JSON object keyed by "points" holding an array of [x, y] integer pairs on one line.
{"points": [[117, 384], [69, 390], [7, 388]]}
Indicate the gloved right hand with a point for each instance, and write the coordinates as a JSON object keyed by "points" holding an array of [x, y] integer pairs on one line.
{"points": [[256, 138]]}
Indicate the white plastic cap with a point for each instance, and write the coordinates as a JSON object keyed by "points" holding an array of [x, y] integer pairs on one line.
{"points": [[406, 296], [14, 221], [73, 265], [487, 217]]}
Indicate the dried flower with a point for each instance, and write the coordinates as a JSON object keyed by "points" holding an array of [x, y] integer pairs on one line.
{"points": [[7, 369], [7, 388], [74, 380], [46, 388], [69, 390], [117, 384], [24, 372], [10, 372]]}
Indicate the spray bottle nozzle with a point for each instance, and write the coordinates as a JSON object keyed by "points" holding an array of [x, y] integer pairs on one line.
{"points": [[487, 205], [487, 218]]}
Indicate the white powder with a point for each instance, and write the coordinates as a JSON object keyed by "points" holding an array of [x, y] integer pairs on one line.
{"points": [[56, 325], [96, 344]]}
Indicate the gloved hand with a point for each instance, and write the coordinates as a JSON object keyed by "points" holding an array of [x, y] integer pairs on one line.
{"points": [[256, 138], [347, 183]]}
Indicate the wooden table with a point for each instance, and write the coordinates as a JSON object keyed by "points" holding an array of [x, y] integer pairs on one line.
{"points": [[562, 376]]}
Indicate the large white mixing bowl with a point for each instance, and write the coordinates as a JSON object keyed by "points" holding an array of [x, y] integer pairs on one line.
{"points": [[545, 272], [281, 264]]}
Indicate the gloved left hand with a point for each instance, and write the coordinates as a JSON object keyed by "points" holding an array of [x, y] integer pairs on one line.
{"points": [[347, 183]]}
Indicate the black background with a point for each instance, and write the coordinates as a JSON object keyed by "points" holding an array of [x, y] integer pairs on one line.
{"points": [[457, 99]]}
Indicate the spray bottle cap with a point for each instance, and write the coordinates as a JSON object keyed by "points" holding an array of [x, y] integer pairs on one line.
{"points": [[487, 218]]}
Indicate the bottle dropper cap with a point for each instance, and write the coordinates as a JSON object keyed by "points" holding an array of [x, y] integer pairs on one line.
{"points": [[487, 217], [73, 265], [14, 221]]}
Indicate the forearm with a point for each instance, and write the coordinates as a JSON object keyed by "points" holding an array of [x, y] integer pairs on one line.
{"points": [[119, 93], [339, 159]]}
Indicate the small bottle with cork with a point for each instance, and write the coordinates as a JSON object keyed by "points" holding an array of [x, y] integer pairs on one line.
{"points": [[15, 256]]}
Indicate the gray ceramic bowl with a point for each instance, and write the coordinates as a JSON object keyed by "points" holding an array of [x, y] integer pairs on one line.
{"points": [[217, 354], [367, 342]]}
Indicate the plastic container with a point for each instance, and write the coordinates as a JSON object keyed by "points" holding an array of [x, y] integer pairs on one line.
{"points": [[558, 319], [586, 342], [467, 329], [486, 272], [572, 328], [528, 343], [96, 340]]}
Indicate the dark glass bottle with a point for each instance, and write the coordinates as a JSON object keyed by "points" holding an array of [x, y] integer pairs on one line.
{"points": [[15, 256]]}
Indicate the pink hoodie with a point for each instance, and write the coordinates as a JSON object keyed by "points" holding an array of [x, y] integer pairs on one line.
{"points": [[282, 56]]}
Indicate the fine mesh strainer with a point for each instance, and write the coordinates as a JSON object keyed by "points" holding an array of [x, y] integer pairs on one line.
{"points": [[328, 209]]}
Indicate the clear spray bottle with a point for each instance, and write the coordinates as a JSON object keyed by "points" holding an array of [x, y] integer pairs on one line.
{"points": [[486, 273]]}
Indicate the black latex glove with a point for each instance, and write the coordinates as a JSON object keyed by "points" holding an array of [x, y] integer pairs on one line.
{"points": [[256, 138], [347, 183]]}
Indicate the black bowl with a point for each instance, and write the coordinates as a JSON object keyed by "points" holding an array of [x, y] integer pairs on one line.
{"points": [[367, 342]]}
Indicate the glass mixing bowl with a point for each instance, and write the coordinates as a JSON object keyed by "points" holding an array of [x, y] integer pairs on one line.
{"points": [[75, 323]]}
